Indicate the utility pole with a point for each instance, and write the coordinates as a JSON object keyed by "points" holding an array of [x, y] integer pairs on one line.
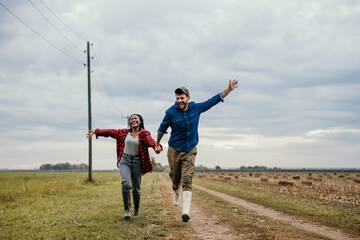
{"points": [[127, 120], [89, 111]]}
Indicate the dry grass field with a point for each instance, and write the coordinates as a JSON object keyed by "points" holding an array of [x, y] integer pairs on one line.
{"points": [[328, 187], [330, 199]]}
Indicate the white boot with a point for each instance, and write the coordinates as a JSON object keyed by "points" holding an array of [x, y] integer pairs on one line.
{"points": [[186, 205], [177, 197]]}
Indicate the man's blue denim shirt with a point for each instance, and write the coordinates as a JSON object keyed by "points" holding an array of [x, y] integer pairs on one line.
{"points": [[184, 125]]}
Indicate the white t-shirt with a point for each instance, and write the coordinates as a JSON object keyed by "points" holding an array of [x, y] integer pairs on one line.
{"points": [[132, 145]]}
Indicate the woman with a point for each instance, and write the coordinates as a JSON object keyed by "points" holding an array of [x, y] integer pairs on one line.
{"points": [[133, 158]]}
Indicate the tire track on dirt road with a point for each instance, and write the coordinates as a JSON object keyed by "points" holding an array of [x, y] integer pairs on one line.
{"points": [[205, 225], [307, 226]]}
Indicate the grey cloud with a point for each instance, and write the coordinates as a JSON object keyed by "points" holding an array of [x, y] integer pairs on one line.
{"points": [[297, 65]]}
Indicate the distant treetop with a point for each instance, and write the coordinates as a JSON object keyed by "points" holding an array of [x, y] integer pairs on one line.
{"points": [[64, 166]]}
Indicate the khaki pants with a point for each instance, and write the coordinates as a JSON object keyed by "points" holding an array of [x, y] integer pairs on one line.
{"points": [[182, 168]]}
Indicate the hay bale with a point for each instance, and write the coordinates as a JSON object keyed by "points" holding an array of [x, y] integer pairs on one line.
{"points": [[308, 183], [286, 183]]}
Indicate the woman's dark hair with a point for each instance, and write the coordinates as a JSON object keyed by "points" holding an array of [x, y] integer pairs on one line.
{"points": [[141, 120]]}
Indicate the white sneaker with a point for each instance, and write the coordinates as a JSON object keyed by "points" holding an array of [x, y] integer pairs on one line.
{"points": [[177, 197]]}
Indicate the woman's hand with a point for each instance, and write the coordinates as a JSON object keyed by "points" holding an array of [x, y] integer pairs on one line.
{"points": [[91, 132], [158, 149]]}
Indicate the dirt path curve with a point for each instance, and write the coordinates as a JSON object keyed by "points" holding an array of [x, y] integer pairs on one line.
{"points": [[310, 227], [205, 226]]}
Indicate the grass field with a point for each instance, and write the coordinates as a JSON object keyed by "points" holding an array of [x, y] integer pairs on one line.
{"points": [[62, 205]]}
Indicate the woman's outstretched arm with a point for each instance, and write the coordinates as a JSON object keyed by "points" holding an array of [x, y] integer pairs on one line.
{"points": [[103, 133]]}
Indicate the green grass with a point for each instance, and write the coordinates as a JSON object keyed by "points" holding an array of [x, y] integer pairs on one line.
{"points": [[336, 216], [62, 205]]}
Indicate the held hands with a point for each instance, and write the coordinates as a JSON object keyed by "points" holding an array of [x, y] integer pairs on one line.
{"points": [[91, 132], [158, 149]]}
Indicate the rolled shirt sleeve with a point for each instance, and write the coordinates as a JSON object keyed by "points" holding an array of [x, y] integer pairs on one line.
{"points": [[166, 122]]}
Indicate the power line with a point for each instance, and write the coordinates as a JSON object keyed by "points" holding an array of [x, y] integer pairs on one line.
{"points": [[102, 95], [43, 38], [54, 26], [107, 91], [63, 22], [102, 78], [97, 64]]}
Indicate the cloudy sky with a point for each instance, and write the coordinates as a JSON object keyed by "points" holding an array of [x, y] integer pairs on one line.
{"points": [[297, 62]]}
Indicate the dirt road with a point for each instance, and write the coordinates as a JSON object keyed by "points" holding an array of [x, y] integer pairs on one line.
{"points": [[205, 225]]}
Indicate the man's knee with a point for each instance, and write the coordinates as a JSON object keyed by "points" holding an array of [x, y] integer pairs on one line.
{"points": [[187, 183]]}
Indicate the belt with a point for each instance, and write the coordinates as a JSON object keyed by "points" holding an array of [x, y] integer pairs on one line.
{"points": [[131, 155]]}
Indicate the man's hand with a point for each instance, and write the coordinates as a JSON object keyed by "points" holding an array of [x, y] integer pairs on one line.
{"points": [[158, 148], [91, 132], [232, 85]]}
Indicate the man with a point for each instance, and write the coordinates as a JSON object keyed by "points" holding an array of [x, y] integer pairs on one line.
{"points": [[183, 118]]}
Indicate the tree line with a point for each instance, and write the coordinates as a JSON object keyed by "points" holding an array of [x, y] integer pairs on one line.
{"points": [[64, 167]]}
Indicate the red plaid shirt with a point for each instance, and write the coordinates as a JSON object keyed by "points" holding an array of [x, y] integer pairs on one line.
{"points": [[145, 141]]}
